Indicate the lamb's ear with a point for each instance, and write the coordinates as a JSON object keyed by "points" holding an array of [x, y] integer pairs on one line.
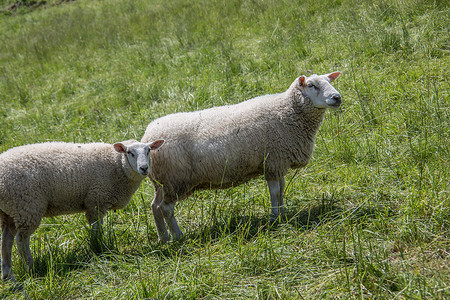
{"points": [[156, 144], [119, 147], [333, 76], [302, 80]]}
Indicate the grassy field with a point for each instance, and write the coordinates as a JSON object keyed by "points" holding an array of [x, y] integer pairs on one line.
{"points": [[368, 217]]}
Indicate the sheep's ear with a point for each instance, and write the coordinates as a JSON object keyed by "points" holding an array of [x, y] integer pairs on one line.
{"points": [[119, 147], [156, 144], [333, 76], [302, 80]]}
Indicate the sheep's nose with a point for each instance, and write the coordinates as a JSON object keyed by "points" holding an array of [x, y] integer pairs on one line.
{"points": [[337, 99], [144, 170]]}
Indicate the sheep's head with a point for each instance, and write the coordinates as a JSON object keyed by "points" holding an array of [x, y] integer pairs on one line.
{"points": [[318, 88], [138, 154]]}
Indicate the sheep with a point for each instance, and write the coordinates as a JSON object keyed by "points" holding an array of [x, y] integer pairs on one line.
{"points": [[55, 178], [225, 146]]}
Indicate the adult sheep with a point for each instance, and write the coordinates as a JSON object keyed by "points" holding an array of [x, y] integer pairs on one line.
{"points": [[229, 145], [50, 179]]}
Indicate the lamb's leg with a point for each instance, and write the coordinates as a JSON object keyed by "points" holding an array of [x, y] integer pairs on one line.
{"points": [[168, 210], [8, 233], [95, 218], [97, 226], [276, 190], [281, 200], [163, 235], [23, 245]]}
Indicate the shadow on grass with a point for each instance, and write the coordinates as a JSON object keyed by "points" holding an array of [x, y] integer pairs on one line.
{"points": [[51, 258], [248, 227], [245, 227]]}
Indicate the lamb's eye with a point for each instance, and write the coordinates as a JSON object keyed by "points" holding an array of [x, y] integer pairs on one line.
{"points": [[131, 153], [312, 85]]}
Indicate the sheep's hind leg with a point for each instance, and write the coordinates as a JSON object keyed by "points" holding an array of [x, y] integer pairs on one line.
{"points": [[8, 233], [163, 235], [276, 191], [168, 209]]}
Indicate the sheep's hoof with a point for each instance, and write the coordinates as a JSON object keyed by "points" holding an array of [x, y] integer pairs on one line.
{"points": [[9, 277], [97, 245], [163, 239], [274, 220], [14, 285], [178, 237]]}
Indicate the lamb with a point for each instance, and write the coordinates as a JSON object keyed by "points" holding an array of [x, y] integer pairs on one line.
{"points": [[54, 178], [226, 146]]}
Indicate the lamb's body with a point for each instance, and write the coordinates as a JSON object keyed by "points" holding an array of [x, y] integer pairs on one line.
{"points": [[50, 179], [229, 145], [60, 178]]}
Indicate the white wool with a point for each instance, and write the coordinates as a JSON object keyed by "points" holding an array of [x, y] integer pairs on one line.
{"points": [[229, 145]]}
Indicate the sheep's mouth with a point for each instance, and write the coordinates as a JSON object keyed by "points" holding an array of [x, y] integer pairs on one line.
{"points": [[334, 101], [334, 105], [143, 173]]}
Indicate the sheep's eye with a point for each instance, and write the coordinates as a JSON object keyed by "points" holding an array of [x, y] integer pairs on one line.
{"points": [[312, 85], [131, 153]]}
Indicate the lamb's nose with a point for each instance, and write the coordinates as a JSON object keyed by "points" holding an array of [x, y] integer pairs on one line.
{"points": [[337, 98], [144, 169]]}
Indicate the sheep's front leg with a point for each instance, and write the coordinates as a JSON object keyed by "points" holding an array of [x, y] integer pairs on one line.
{"points": [[276, 191], [163, 235], [168, 210], [95, 218], [281, 200], [8, 233], [97, 226], [23, 245]]}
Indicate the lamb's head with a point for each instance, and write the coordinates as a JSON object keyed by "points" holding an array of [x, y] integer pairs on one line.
{"points": [[319, 90], [138, 154]]}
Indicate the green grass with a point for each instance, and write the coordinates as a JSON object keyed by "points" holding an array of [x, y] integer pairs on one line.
{"points": [[368, 217]]}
